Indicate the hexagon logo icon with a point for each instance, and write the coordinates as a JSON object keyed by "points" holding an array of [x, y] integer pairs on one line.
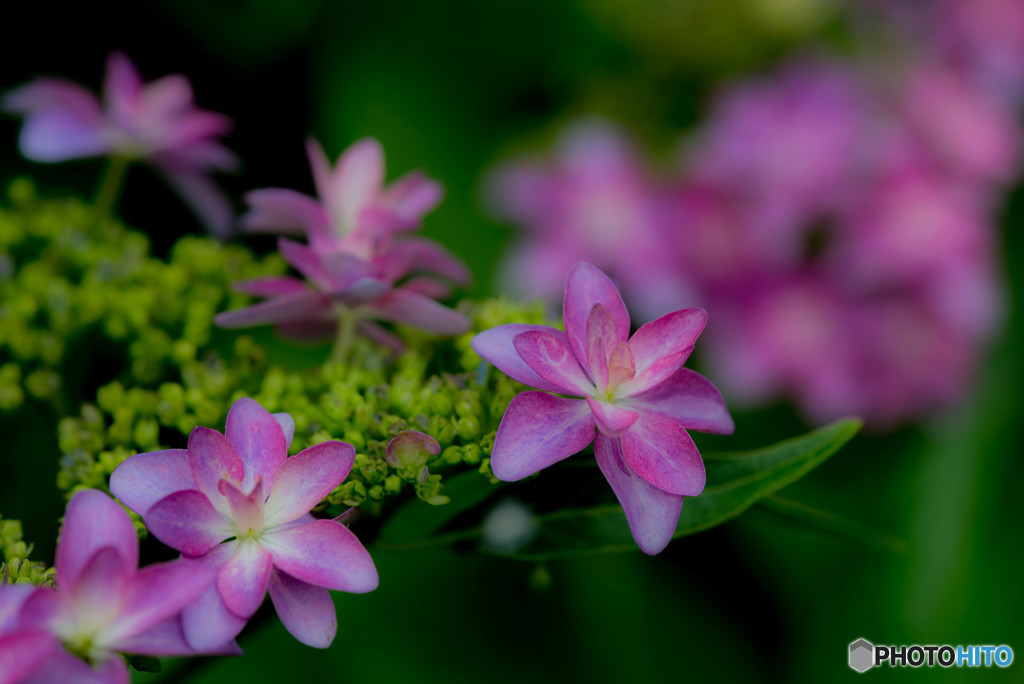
{"points": [[862, 655]]}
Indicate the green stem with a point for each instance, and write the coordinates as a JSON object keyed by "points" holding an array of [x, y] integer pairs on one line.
{"points": [[110, 186], [347, 320]]}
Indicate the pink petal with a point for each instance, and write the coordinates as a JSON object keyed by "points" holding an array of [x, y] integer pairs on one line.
{"points": [[652, 513], [357, 179], [324, 553], [213, 459], [63, 668], [663, 345], [276, 210], [307, 262], [497, 346], [257, 439], [301, 307], [379, 335], [270, 286], [11, 598], [208, 624], [421, 255], [242, 581], [586, 286], [305, 479], [305, 609], [538, 430], [162, 640], [92, 521], [427, 287], [661, 452], [420, 312], [188, 522], [122, 87], [23, 652], [143, 479], [56, 135], [287, 424], [413, 195], [246, 510], [611, 419], [99, 586], [688, 398], [321, 167], [621, 365], [204, 198], [602, 338], [551, 358], [156, 594]]}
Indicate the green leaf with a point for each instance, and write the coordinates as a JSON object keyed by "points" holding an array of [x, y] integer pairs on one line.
{"points": [[735, 482]]}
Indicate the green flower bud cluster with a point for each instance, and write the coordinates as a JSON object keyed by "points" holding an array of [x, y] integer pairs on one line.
{"points": [[367, 402], [16, 568], [68, 275]]}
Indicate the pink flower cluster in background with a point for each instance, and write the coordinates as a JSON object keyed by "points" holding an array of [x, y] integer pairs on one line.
{"points": [[839, 222]]}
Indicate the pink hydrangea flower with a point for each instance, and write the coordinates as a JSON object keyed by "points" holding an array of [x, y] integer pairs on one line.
{"points": [[103, 605], [235, 503], [355, 212], [391, 287], [356, 266], [632, 389], [155, 122]]}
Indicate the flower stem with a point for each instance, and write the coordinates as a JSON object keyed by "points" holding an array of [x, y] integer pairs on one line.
{"points": [[346, 335], [110, 186]]}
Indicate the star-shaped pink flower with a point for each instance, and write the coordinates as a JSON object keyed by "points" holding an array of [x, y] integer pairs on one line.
{"points": [[103, 605], [632, 389], [236, 503]]}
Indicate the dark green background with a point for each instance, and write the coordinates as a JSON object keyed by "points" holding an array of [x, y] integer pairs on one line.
{"points": [[452, 86]]}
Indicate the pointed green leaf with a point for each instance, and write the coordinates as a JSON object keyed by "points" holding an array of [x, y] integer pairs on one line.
{"points": [[734, 483]]}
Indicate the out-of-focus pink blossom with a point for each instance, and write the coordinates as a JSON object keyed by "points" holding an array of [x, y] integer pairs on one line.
{"points": [[155, 122], [102, 606], [355, 212], [358, 264], [593, 199], [236, 504], [632, 390]]}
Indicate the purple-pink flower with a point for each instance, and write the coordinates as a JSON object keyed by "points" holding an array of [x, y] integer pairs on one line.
{"points": [[235, 503], [355, 212], [155, 122], [632, 389], [102, 606], [359, 266]]}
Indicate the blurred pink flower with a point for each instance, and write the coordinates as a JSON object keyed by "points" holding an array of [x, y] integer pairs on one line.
{"points": [[632, 389], [235, 503], [355, 265], [594, 199], [395, 286], [355, 213], [156, 123], [103, 605]]}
